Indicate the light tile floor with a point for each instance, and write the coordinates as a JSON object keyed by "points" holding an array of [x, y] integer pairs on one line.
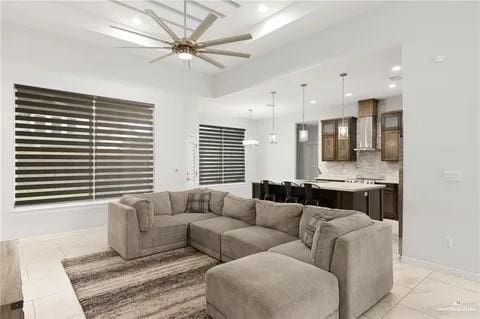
{"points": [[418, 293]]}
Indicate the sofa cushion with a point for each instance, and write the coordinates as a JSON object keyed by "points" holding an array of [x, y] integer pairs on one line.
{"points": [[205, 234], [216, 201], [178, 200], [327, 234], [167, 232], [189, 218], [239, 208], [308, 212], [144, 210], [269, 285], [295, 249], [284, 217], [160, 201], [198, 202], [242, 242]]}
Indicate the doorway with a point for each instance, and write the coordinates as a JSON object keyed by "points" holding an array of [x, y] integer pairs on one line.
{"points": [[307, 152]]}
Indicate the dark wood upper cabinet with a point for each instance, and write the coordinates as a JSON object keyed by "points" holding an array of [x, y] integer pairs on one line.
{"points": [[334, 148], [391, 131]]}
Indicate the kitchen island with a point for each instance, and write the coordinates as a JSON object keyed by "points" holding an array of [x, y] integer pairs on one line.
{"points": [[367, 198]]}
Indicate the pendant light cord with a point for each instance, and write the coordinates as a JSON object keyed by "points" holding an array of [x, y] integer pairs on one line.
{"points": [[303, 106], [273, 112], [343, 75], [185, 19]]}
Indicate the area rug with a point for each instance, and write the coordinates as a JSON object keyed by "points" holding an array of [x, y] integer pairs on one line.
{"points": [[165, 285]]}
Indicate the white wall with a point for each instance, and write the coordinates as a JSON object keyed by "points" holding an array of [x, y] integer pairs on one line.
{"points": [[440, 116], [41, 59]]}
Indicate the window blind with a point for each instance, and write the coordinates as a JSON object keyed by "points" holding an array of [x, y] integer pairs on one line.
{"points": [[222, 155], [71, 146]]}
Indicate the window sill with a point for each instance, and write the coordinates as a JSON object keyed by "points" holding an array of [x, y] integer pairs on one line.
{"points": [[225, 184], [44, 207]]}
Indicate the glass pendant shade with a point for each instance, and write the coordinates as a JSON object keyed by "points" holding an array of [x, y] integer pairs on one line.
{"points": [[303, 136], [343, 131], [272, 138]]}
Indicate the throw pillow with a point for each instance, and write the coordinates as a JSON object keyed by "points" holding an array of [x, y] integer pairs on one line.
{"points": [[239, 208], [312, 218], [178, 200], [198, 202], [284, 217], [144, 209], [326, 236]]}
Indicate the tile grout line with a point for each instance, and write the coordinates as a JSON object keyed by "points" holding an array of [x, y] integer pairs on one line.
{"points": [[400, 300], [451, 285]]}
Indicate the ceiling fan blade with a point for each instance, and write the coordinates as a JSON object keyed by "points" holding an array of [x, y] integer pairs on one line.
{"points": [[162, 24], [139, 34], [162, 57], [224, 52], [202, 27], [236, 38], [210, 60], [169, 48]]}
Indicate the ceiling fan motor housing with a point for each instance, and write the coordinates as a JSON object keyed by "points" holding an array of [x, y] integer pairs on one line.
{"points": [[184, 46]]}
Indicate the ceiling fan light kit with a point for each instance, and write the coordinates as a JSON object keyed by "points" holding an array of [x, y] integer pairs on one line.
{"points": [[188, 47]]}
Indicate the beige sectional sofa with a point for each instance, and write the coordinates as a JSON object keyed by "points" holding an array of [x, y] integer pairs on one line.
{"points": [[352, 248]]}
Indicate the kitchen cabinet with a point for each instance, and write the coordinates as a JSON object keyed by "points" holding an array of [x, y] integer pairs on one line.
{"points": [[391, 131], [334, 148], [390, 199]]}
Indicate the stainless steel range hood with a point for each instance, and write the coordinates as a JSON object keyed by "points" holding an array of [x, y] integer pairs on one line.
{"points": [[367, 125]]}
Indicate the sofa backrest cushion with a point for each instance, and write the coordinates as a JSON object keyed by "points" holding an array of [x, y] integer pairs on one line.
{"points": [[327, 233], [312, 217], [178, 200], [160, 201], [217, 199], [239, 208], [284, 217], [144, 210]]}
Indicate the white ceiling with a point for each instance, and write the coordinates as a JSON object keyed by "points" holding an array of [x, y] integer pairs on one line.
{"points": [[368, 77], [89, 21]]}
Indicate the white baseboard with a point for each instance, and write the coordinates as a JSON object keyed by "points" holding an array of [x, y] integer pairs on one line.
{"points": [[437, 267]]}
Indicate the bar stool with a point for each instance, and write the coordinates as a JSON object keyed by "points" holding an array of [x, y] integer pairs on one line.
{"points": [[288, 192], [266, 190], [308, 192]]}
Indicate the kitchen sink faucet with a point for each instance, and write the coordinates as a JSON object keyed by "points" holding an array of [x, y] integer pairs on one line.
{"points": [[317, 171]]}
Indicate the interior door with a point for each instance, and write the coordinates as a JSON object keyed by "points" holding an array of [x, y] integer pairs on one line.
{"points": [[192, 163]]}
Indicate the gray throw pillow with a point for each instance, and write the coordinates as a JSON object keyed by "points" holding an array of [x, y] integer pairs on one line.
{"points": [[326, 235], [239, 208], [178, 200], [198, 202], [312, 218], [160, 201], [217, 199], [284, 217], [144, 209]]}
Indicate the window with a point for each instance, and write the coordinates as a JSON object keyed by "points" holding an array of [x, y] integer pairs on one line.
{"points": [[71, 146], [222, 155]]}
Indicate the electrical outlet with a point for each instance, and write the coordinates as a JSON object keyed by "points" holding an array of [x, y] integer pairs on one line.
{"points": [[448, 241], [452, 176]]}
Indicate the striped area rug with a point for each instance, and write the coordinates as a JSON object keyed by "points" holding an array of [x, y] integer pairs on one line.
{"points": [[166, 285]]}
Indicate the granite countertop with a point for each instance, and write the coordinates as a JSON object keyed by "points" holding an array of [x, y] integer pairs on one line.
{"points": [[344, 187], [339, 178]]}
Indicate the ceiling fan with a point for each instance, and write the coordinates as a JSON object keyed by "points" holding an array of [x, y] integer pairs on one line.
{"points": [[188, 47]]}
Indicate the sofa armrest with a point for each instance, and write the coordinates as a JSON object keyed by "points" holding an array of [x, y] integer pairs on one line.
{"points": [[123, 229], [362, 263]]}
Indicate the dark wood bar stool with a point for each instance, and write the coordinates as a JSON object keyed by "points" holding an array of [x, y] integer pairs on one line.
{"points": [[308, 193], [289, 194], [267, 193]]}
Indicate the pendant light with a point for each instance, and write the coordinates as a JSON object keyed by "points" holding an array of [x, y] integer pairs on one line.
{"points": [[250, 141], [272, 138], [303, 133], [343, 127]]}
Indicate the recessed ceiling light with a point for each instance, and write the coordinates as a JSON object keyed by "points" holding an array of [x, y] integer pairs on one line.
{"points": [[262, 8], [440, 58], [313, 101], [348, 94], [392, 85], [396, 68], [136, 21]]}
